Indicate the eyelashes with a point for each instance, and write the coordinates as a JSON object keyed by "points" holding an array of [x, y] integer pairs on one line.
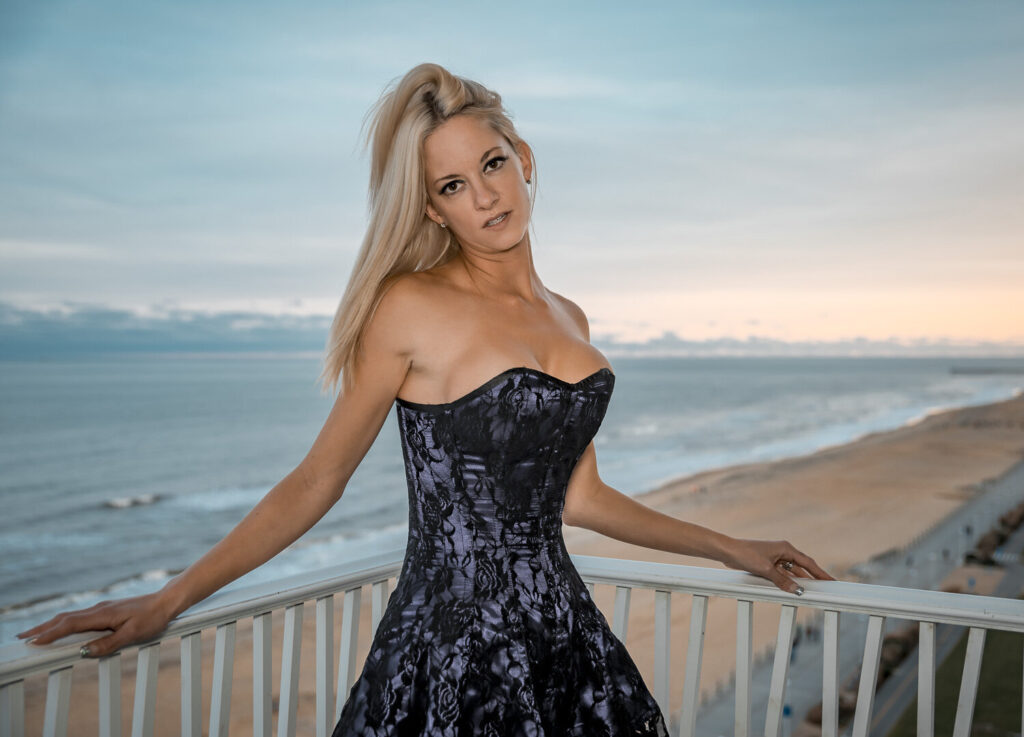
{"points": [[446, 191]]}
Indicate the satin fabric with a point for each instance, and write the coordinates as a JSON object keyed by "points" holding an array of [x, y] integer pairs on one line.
{"points": [[490, 630]]}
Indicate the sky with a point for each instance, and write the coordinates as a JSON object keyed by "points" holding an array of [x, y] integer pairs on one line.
{"points": [[786, 173]]}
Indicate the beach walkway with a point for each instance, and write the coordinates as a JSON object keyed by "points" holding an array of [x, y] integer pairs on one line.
{"points": [[921, 564]]}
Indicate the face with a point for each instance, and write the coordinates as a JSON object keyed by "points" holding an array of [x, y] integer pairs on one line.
{"points": [[473, 175]]}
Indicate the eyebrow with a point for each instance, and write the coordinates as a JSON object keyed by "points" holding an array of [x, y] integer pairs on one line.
{"points": [[482, 158]]}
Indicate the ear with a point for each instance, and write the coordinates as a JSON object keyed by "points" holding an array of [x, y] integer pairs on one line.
{"points": [[525, 159], [433, 214]]}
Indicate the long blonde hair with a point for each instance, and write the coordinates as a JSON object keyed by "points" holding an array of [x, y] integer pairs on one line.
{"points": [[400, 238]]}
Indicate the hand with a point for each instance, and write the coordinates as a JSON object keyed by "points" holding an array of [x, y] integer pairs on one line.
{"points": [[135, 619], [766, 558]]}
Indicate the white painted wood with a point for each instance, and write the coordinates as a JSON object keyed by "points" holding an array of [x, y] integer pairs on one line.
{"points": [[590, 588], [780, 669], [830, 674], [18, 660], [926, 679], [694, 651], [190, 658], [969, 682], [744, 665], [12, 709], [110, 695], [144, 707], [324, 664], [351, 607], [58, 697], [620, 616], [223, 674], [378, 602], [290, 653], [868, 676], [262, 674], [662, 647]]}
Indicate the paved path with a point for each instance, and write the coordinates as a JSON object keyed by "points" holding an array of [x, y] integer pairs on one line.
{"points": [[899, 690], [923, 564]]}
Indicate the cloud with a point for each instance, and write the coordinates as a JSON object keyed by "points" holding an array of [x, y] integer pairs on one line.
{"points": [[77, 329]]}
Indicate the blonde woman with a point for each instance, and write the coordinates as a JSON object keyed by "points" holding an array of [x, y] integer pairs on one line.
{"points": [[498, 395]]}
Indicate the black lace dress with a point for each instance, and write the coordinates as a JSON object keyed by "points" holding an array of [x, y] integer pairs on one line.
{"points": [[490, 631]]}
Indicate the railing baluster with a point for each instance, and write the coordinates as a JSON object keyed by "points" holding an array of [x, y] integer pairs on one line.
{"points": [[144, 707], [694, 650], [830, 674], [262, 674], [868, 675], [926, 679], [290, 653], [744, 664], [110, 695], [12, 709], [223, 672], [378, 601], [662, 647], [620, 618], [347, 651], [780, 669], [190, 658], [324, 663], [969, 682], [58, 696]]}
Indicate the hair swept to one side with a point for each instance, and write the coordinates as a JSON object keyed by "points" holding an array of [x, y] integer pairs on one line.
{"points": [[400, 238]]}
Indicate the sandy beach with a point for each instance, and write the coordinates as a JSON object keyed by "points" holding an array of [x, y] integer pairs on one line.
{"points": [[841, 505]]}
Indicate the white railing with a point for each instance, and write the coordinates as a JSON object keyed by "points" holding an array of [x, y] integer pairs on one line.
{"points": [[19, 661]]}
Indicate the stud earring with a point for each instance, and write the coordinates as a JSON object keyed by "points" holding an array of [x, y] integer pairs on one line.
{"points": [[527, 181], [443, 225]]}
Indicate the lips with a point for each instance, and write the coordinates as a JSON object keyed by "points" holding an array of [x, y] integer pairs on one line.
{"points": [[506, 214]]}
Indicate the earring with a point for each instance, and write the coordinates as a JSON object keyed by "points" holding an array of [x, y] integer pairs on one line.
{"points": [[443, 225], [527, 181]]}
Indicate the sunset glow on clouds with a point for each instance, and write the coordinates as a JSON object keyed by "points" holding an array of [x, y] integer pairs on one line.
{"points": [[792, 171]]}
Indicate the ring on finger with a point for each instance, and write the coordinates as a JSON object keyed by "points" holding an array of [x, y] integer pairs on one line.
{"points": [[787, 564]]}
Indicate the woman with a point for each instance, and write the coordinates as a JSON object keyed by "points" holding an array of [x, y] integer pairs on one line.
{"points": [[498, 394]]}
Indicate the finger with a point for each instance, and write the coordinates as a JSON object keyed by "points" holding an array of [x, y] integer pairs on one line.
{"points": [[57, 619], [784, 582], [72, 623], [811, 567], [106, 645], [797, 571]]}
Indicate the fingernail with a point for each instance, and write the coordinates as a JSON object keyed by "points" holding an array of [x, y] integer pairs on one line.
{"points": [[799, 591]]}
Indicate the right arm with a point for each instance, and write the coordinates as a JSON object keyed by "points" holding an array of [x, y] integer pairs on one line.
{"points": [[287, 511]]}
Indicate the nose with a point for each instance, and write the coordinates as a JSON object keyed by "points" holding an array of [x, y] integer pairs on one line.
{"points": [[486, 196]]}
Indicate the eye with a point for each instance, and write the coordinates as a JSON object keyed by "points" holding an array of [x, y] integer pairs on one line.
{"points": [[497, 158], [444, 189]]}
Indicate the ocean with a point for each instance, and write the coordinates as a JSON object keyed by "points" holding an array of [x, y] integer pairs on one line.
{"points": [[119, 472]]}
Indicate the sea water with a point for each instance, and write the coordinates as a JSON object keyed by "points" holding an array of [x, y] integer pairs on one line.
{"points": [[119, 472]]}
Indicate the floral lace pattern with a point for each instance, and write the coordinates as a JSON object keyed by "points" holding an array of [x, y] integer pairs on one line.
{"points": [[490, 630]]}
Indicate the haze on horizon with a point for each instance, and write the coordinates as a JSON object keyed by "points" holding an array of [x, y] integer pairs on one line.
{"points": [[793, 171]]}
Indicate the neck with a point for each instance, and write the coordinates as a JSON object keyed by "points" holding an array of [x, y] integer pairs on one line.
{"points": [[507, 274]]}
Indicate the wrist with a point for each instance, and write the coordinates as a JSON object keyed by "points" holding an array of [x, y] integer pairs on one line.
{"points": [[173, 598], [722, 547]]}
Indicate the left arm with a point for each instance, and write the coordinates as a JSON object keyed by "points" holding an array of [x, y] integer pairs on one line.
{"points": [[594, 505], [591, 503]]}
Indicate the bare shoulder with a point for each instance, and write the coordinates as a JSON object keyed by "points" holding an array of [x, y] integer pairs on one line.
{"points": [[401, 312], [575, 312]]}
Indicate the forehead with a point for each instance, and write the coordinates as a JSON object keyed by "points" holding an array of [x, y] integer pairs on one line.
{"points": [[459, 141]]}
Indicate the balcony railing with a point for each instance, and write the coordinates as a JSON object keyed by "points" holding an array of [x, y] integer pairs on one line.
{"points": [[225, 609]]}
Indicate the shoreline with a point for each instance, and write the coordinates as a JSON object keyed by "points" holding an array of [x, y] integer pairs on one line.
{"points": [[47, 604], [842, 505], [885, 487]]}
